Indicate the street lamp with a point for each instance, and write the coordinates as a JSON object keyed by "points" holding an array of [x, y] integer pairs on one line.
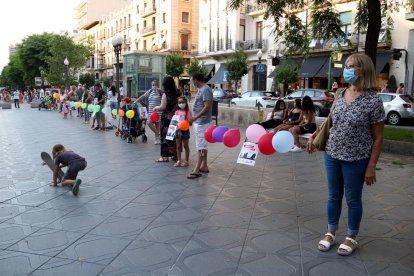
{"points": [[260, 55], [117, 43], [66, 63]]}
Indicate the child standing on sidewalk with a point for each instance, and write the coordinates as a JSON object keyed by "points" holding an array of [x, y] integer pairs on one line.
{"points": [[65, 108], [75, 163], [182, 137]]}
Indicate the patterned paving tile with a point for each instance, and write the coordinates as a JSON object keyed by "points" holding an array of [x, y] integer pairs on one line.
{"points": [[19, 263]]}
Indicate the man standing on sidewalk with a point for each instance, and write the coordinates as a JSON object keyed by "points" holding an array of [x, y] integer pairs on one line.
{"points": [[101, 98], [202, 111]]}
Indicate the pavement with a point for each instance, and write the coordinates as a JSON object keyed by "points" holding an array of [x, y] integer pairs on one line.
{"points": [[137, 217]]}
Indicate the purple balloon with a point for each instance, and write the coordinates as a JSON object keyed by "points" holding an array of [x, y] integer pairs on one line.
{"points": [[218, 133]]}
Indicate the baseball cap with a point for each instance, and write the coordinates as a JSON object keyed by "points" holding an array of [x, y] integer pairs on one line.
{"points": [[127, 99]]}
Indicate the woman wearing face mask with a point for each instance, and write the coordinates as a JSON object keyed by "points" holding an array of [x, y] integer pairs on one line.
{"points": [[276, 117], [352, 149]]}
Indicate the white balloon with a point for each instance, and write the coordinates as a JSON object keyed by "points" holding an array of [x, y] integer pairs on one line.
{"points": [[283, 141]]}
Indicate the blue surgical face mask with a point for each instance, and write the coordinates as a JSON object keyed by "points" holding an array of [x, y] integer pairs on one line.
{"points": [[349, 75], [154, 87]]}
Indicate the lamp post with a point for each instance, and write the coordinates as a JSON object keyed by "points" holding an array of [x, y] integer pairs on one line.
{"points": [[117, 43], [66, 63], [260, 55]]}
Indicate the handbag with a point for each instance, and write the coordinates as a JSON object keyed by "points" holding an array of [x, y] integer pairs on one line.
{"points": [[322, 133]]}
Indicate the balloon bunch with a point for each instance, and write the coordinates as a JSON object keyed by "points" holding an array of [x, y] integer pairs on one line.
{"points": [[269, 143], [220, 134]]}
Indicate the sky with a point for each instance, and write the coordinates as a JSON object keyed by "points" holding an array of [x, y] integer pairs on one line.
{"points": [[21, 18]]}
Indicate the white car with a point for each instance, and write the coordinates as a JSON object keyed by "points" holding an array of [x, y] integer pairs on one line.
{"points": [[397, 107], [255, 98]]}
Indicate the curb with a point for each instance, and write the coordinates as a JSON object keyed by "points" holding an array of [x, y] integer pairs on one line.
{"points": [[397, 147]]}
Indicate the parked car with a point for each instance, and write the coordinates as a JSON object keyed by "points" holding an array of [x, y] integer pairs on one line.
{"points": [[397, 107], [321, 99], [219, 95], [255, 98]]}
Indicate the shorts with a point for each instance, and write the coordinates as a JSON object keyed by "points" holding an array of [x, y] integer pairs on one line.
{"points": [[74, 168], [310, 128], [201, 142], [183, 135]]}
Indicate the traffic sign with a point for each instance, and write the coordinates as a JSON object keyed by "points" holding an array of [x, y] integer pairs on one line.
{"points": [[260, 68]]}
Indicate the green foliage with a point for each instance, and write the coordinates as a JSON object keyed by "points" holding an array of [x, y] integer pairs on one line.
{"points": [[392, 84], [405, 135], [237, 66], [196, 67], [12, 74], [175, 65], [87, 79], [287, 73], [325, 23], [60, 48]]}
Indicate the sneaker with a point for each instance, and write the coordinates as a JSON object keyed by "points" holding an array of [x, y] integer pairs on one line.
{"points": [[75, 188], [296, 149]]}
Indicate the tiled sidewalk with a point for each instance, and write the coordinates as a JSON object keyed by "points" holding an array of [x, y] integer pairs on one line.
{"points": [[137, 217]]}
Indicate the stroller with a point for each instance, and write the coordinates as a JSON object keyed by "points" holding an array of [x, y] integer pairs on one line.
{"points": [[132, 128]]}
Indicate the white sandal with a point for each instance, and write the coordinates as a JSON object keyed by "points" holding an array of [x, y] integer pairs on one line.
{"points": [[326, 244], [348, 250]]}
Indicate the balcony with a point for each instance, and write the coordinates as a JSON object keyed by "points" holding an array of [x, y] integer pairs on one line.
{"points": [[100, 52], [255, 9], [148, 30], [251, 45], [147, 11], [410, 13]]}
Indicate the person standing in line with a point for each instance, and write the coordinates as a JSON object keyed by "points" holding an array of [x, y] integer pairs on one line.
{"points": [[352, 149], [101, 98], [400, 89], [152, 98], [113, 99], [168, 106], [202, 112], [16, 98]]}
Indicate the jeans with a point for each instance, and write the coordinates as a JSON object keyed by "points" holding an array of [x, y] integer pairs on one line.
{"points": [[16, 103], [345, 177]]}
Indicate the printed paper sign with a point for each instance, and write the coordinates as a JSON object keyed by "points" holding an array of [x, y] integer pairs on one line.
{"points": [[173, 127], [248, 154], [143, 113]]}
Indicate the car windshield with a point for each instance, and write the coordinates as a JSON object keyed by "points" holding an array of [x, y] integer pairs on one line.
{"points": [[269, 94], [407, 98]]}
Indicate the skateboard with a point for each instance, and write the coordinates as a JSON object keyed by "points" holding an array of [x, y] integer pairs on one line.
{"points": [[47, 160]]}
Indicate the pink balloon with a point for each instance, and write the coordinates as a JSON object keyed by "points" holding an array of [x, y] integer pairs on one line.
{"points": [[255, 132], [231, 138]]}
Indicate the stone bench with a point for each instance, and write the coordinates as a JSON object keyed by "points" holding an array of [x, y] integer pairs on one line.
{"points": [[319, 121], [34, 104], [5, 105]]}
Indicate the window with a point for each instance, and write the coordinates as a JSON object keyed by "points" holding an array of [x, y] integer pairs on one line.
{"points": [[185, 17], [386, 98], [184, 42], [164, 17], [242, 33], [145, 23], [297, 94], [259, 31], [137, 8], [309, 93], [137, 27], [145, 45]]}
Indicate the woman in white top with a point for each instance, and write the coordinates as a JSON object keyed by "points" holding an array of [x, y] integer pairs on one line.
{"points": [[113, 100], [276, 117], [16, 98]]}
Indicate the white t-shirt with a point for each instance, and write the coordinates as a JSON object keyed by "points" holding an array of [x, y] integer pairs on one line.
{"points": [[16, 95], [111, 96]]}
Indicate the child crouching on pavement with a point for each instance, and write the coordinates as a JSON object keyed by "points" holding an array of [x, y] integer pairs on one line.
{"points": [[75, 163]]}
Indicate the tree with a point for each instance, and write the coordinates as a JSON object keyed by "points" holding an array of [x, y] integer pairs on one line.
{"points": [[324, 21], [13, 74], [63, 47], [87, 79], [197, 67], [175, 65], [237, 67], [286, 73]]}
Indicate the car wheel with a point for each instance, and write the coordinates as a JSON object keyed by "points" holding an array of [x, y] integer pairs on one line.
{"points": [[393, 118], [233, 103], [318, 111]]}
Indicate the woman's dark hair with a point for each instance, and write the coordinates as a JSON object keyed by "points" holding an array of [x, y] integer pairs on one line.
{"points": [[113, 89], [307, 104], [170, 89], [298, 103], [278, 103], [198, 76]]}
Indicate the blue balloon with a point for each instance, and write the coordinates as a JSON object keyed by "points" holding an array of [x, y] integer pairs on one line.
{"points": [[218, 133], [283, 141]]}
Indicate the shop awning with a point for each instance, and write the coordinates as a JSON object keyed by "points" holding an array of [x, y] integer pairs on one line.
{"points": [[382, 60], [220, 76], [311, 66], [292, 61], [209, 67]]}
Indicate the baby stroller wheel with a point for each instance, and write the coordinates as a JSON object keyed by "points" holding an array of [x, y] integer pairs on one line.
{"points": [[116, 133], [129, 139], [144, 138], [124, 136]]}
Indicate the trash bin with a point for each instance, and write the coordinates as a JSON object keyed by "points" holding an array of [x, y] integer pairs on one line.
{"points": [[214, 111]]}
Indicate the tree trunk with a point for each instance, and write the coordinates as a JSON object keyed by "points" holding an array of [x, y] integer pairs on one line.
{"points": [[374, 27]]}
